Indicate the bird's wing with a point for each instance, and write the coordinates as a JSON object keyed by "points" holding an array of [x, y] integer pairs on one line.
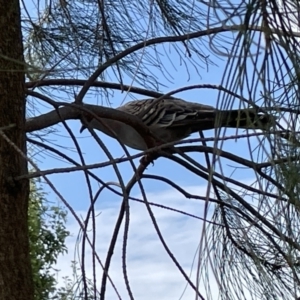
{"points": [[167, 112]]}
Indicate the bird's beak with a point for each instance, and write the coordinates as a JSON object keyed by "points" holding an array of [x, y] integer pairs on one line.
{"points": [[82, 128]]}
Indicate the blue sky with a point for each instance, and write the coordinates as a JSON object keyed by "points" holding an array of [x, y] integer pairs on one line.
{"points": [[151, 272], [149, 267]]}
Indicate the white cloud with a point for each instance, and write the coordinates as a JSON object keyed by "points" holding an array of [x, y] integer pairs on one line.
{"points": [[151, 272], [289, 17]]}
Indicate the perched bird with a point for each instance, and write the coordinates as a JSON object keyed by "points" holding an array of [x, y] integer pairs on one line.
{"points": [[171, 120]]}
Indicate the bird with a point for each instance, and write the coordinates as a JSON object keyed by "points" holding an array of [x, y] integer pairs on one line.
{"points": [[171, 120]]}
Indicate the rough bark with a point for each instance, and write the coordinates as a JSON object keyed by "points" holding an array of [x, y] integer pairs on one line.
{"points": [[15, 268]]}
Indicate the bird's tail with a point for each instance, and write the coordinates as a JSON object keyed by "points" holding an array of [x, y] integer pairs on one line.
{"points": [[236, 118], [244, 118]]}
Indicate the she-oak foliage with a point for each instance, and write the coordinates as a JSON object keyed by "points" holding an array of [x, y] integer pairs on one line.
{"points": [[255, 241]]}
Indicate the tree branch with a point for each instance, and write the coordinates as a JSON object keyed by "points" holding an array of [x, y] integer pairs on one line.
{"points": [[70, 111]]}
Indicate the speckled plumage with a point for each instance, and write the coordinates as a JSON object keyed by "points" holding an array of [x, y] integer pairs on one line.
{"points": [[171, 120]]}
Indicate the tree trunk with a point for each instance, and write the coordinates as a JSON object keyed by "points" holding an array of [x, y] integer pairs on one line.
{"points": [[15, 267]]}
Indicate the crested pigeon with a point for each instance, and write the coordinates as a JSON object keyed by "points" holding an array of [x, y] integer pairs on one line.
{"points": [[171, 120]]}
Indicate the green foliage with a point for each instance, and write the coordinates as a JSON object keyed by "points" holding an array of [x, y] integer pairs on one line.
{"points": [[73, 288], [47, 234]]}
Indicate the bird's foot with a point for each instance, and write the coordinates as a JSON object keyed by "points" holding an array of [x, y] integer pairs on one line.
{"points": [[149, 158]]}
